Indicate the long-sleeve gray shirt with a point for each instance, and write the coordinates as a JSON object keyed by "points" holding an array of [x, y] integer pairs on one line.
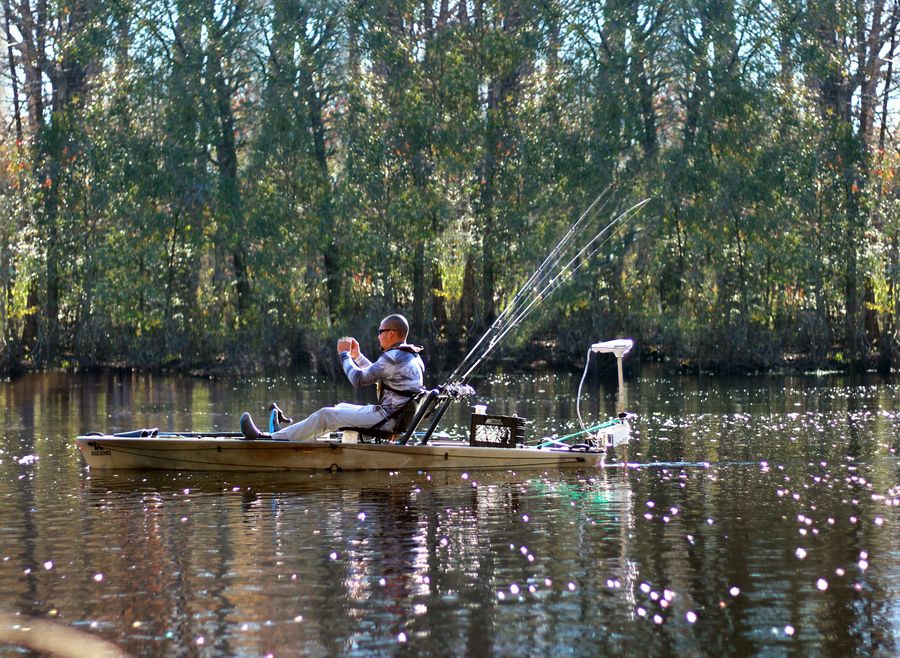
{"points": [[399, 369]]}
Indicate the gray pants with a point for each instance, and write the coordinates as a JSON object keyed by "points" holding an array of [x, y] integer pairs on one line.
{"points": [[328, 419]]}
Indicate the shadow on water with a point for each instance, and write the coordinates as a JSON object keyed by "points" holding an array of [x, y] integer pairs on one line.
{"points": [[761, 519]]}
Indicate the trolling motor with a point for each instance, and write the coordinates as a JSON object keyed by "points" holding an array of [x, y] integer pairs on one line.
{"points": [[616, 432]]}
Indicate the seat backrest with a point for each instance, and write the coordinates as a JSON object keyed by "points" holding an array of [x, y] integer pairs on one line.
{"points": [[406, 415], [422, 405]]}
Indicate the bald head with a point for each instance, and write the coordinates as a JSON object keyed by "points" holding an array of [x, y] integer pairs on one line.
{"points": [[398, 323]]}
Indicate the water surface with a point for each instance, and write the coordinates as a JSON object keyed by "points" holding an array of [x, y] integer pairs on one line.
{"points": [[762, 519]]}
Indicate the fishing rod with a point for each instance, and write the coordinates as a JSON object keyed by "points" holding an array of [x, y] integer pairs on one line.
{"points": [[556, 253], [564, 274], [538, 276], [522, 305]]}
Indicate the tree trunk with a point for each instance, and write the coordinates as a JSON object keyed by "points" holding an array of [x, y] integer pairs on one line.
{"points": [[468, 305], [418, 314], [838, 89], [328, 239], [888, 76], [34, 63], [438, 303], [887, 356], [229, 182], [649, 139], [185, 156], [14, 82]]}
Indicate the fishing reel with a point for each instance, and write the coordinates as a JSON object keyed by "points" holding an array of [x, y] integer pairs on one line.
{"points": [[459, 391]]}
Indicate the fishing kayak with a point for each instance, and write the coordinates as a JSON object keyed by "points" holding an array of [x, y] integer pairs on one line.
{"points": [[495, 442], [188, 451]]}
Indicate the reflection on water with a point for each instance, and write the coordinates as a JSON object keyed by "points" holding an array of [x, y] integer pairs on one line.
{"points": [[763, 520]]}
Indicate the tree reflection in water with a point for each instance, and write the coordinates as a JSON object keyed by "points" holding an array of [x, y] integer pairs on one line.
{"points": [[763, 520]]}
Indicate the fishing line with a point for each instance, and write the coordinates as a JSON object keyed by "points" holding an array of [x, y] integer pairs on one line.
{"points": [[526, 299], [539, 275], [536, 298], [561, 277]]}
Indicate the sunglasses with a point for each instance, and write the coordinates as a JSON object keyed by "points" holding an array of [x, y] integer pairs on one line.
{"points": [[381, 331]]}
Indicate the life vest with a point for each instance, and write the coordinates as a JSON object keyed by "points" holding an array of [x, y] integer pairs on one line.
{"points": [[381, 387], [405, 412]]}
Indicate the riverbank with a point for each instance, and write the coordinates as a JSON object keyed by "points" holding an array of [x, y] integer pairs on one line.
{"points": [[537, 356]]}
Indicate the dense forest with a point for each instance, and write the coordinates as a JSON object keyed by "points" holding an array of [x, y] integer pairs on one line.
{"points": [[215, 184]]}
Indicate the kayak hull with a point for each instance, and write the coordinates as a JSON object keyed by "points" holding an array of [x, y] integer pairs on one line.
{"points": [[110, 452]]}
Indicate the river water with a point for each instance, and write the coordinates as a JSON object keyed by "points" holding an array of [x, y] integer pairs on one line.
{"points": [[761, 517]]}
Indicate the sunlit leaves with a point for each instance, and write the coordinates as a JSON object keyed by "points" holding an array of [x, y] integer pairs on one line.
{"points": [[424, 157]]}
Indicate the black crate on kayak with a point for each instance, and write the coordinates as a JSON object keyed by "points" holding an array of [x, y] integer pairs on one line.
{"points": [[492, 431]]}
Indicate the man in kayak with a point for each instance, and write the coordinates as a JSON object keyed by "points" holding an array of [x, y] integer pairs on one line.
{"points": [[398, 375]]}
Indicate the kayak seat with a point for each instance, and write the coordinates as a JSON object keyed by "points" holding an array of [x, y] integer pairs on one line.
{"points": [[405, 416]]}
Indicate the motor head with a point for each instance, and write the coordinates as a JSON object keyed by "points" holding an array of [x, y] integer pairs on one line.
{"points": [[620, 347]]}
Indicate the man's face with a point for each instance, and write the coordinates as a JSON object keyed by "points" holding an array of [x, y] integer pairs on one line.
{"points": [[386, 336]]}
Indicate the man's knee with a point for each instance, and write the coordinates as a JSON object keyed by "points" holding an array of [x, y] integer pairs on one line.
{"points": [[327, 412]]}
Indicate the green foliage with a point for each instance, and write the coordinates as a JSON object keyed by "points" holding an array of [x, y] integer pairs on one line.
{"points": [[222, 184]]}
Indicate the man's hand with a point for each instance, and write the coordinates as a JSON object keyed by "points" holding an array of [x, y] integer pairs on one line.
{"points": [[348, 344]]}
